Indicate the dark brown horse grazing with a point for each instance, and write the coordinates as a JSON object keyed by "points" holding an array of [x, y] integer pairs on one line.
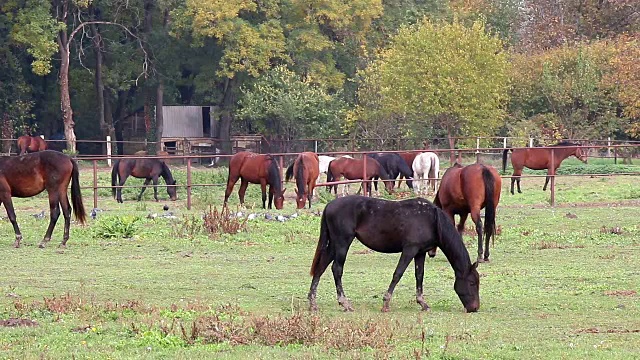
{"points": [[29, 175], [29, 144], [469, 189], [539, 159], [411, 227], [352, 169], [148, 169], [305, 169], [256, 169]]}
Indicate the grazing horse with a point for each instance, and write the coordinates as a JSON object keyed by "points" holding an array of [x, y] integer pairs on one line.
{"points": [[426, 166], [323, 165], [411, 227], [539, 159], [395, 166], [305, 170], [29, 175], [469, 189], [256, 169], [148, 169], [352, 169], [30, 144]]}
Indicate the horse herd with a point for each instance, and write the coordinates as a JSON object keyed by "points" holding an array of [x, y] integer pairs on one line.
{"points": [[412, 227]]}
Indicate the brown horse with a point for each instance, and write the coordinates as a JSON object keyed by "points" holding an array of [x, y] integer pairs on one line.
{"points": [[469, 189], [539, 159], [410, 227], [256, 169], [306, 170], [30, 144], [148, 169], [352, 169], [29, 175]]}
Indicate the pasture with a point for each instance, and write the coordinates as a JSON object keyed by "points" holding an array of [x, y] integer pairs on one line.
{"points": [[563, 282]]}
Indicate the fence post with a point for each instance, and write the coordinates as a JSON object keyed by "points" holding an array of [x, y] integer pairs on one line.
{"points": [[95, 184], [188, 183], [109, 150], [530, 141], [478, 149], [504, 142], [315, 148], [553, 178], [365, 184], [609, 147]]}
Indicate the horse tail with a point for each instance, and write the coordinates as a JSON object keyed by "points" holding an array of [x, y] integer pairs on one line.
{"points": [[76, 196], [300, 177], [114, 177], [330, 177], [504, 159], [490, 206], [289, 173], [323, 244]]}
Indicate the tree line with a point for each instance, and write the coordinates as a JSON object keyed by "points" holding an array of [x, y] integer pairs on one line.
{"points": [[323, 68]]}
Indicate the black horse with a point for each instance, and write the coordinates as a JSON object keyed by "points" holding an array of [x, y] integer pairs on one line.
{"points": [[395, 166], [412, 227], [148, 169]]}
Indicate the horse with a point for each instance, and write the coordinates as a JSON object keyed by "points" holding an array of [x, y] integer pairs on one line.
{"points": [[394, 165], [469, 189], [256, 169], [352, 169], [426, 166], [148, 169], [323, 165], [539, 159], [29, 175], [306, 170], [411, 227], [30, 144]]}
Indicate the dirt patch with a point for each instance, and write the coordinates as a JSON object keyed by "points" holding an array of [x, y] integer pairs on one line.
{"points": [[554, 245], [363, 252], [620, 293], [17, 322], [607, 331]]}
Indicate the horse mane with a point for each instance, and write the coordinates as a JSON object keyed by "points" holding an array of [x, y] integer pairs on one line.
{"points": [[273, 174], [166, 172], [565, 143], [300, 176], [450, 242]]}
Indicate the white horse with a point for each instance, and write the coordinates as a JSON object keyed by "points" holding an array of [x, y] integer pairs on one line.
{"points": [[324, 167], [215, 160], [426, 166]]}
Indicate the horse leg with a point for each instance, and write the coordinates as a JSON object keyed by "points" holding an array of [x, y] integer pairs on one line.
{"points": [[66, 213], [263, 186], [54, 207], [325, 259], [5, 198], [231, 181], [123, 178], [144, 187], [475, 216], [243, 189], [546, 180], [405, 258], [419, 263], [271, 193], [515, 177], [338, 264], [155, 188]]}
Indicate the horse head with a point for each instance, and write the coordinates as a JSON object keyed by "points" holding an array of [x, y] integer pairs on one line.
{"points": [[301, 200], [278, 199], [467, 286], [581, 154], [172, 190]]}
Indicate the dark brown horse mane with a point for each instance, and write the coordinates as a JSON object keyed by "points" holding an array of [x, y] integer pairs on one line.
{"points": [[566, 143], [274, 174], [166, 174], [300, 176]]}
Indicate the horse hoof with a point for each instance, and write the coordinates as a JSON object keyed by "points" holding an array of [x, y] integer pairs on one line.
{"points": [[41, 246], [426, 308], [482, 260], [385, 309], [16, 245]]}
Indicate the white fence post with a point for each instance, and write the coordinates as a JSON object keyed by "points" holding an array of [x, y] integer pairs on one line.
{"points": [[609, 146], [504, 142], [530, 142], [109, 150]]}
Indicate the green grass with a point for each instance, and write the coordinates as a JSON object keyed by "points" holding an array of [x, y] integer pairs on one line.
{"points": [[558, 286]]}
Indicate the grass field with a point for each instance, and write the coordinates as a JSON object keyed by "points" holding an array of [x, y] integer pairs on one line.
{"points": [[563, 283]]}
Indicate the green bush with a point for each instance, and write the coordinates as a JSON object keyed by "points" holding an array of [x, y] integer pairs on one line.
{"points": [[110, 227]]}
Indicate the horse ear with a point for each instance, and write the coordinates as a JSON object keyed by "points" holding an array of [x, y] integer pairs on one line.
{"points": [[174, 182], [296, 190], [285, 189], [474, 265]]}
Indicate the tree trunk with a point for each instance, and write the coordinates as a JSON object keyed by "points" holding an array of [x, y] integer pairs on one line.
{"points": [[108, 115], [159, 114], [225, 116], [452, 144], [119, 120], [65, 98], [99, 84]]}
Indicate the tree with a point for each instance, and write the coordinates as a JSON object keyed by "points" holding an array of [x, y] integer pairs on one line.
{"points": [[279, 103], [445, 75], [47, 28]]}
